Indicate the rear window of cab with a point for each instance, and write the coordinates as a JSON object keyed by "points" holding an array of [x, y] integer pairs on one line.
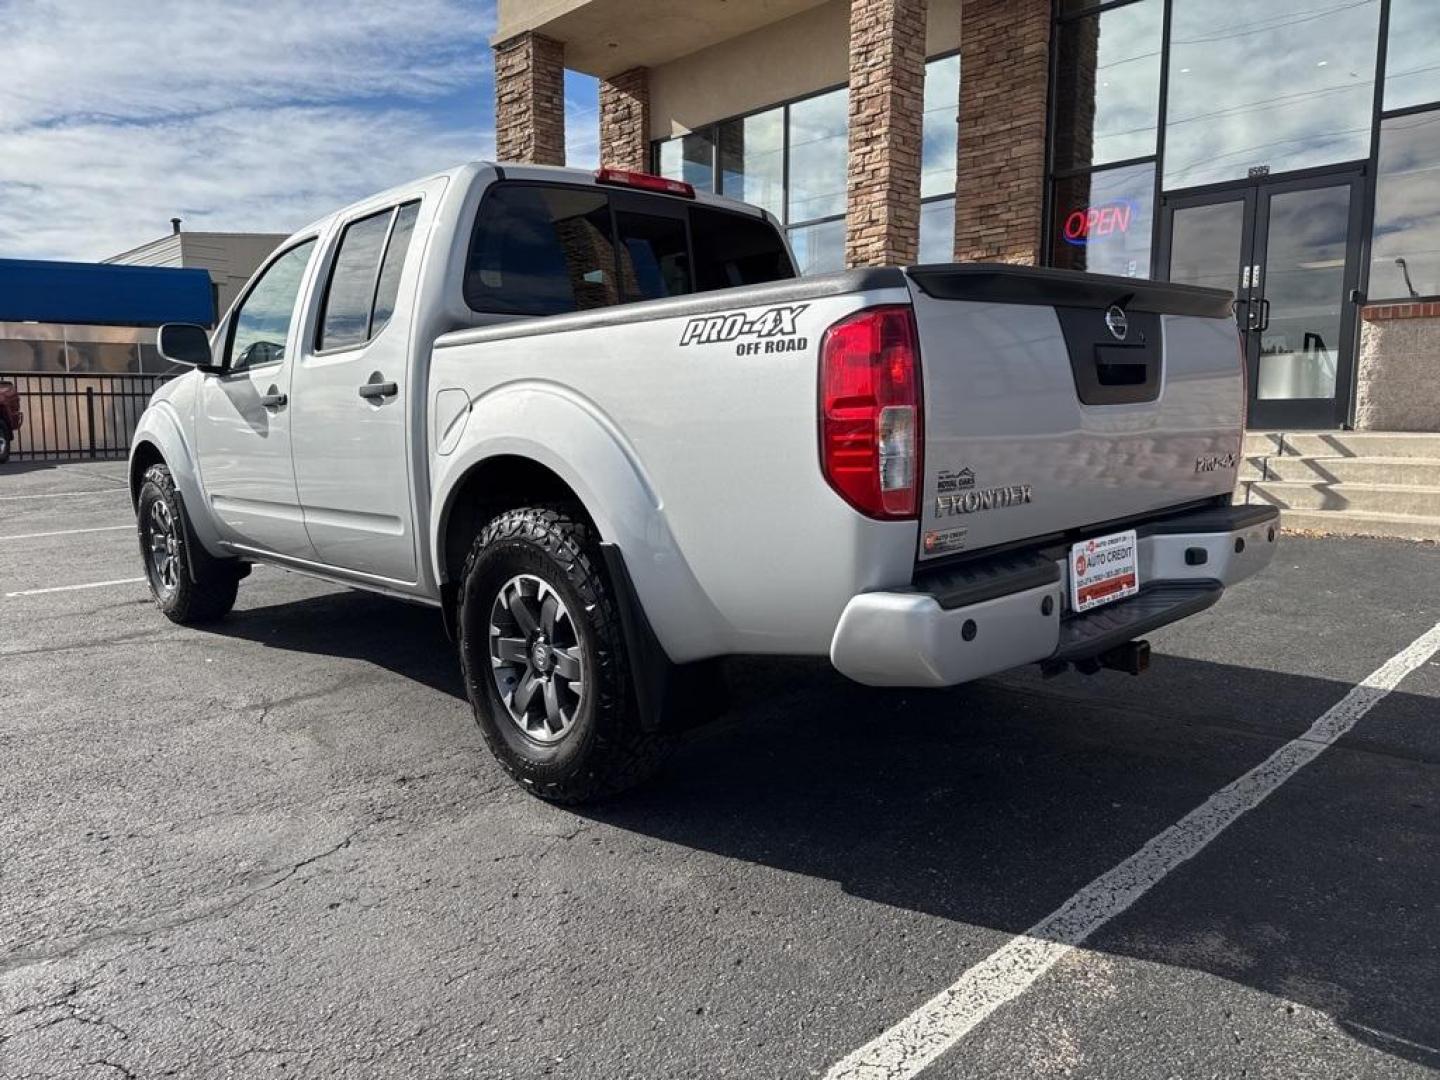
{"points": [[547, 249]]}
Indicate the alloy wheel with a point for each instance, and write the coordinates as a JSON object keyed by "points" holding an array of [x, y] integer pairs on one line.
{"points": [[164, 548], [536, 658]]}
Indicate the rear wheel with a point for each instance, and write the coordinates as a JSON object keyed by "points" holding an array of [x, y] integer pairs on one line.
{"points": [[188, 586], [544, 659]]}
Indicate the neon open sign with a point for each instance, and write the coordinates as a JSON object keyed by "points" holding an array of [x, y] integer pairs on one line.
{"points": [[1102, 219]]}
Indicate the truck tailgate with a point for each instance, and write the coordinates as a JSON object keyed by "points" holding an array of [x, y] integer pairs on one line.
{"points": [[1057, 401]]}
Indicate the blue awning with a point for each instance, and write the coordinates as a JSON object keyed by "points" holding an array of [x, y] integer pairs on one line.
{"points": [[105, 293]]}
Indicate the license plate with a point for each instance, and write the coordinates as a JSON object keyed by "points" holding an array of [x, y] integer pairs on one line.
{"points": [[1103, 569]]}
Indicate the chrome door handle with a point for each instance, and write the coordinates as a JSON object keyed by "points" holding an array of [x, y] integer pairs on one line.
{"points": [[273, 399], [372, 390]]}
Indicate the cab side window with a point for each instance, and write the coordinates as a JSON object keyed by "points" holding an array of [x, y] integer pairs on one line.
{"points": [[365, 280], [262, 322], [541, 251]]}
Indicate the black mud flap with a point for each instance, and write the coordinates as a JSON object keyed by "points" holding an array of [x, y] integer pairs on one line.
{"points": [[667, 695]]}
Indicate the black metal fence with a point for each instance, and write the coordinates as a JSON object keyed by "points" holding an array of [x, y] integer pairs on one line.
{"points": [[79, 414]]}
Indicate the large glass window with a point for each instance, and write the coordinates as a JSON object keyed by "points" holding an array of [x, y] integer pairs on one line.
{"points": [[1412, 54], [820, 248], [1267, 84], [261, 325], [690, 158], [1405, 255], [752, 160], [1107, 93], [541, 251], [805, 144], [940, 130], [937, 231], [1101, 221], [819, 145]]}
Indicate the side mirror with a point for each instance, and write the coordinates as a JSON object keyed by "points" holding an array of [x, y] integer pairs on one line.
{"points": [[185, 343]]}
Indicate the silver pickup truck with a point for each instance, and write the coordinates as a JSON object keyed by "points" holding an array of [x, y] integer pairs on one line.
{"points": [[597, 421]]}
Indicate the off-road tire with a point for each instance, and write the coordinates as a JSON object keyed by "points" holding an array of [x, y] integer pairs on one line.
{"points": [[6, 437], [604, 751], [202, 588]]}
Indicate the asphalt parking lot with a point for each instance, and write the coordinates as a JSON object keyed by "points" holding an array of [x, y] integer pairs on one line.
{"points": [[278, 847]]}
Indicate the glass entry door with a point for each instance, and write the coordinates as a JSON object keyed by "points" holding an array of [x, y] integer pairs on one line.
{"points": [[1285, 248]]}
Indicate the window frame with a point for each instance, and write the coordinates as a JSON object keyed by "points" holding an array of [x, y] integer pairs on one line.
{"points": [[329, 277], [227, 356]]}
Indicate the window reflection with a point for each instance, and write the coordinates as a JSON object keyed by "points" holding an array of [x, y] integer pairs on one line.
{"points": [[1405, 259], [752, 160], [937, 231], [1101, 221], [942, 104], [820, 248], [818, 148], [690, 158], [1286, 84], [1107, 88], [262, 322], [1412, 54]]}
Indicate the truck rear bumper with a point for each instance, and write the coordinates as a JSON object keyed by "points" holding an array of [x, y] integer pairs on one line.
{"points": [[1000, 613]]}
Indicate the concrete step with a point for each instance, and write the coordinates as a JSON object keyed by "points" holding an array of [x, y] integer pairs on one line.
{"points": [[1406, 471], [1356, 498], [1349, 523], [1390, 444]]}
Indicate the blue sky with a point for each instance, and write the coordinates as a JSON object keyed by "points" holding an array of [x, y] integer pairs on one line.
{"points": [[236, 115]]}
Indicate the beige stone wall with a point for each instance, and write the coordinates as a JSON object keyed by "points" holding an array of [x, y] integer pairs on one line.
{"points": [[530, 100], [800, 55], [887, 81], [1004, 77], [625, 120], [1398, 381]]}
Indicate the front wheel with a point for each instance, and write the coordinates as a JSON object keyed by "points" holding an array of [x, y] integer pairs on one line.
{"points": [[544, 659], [4, 442], [189, 587]]}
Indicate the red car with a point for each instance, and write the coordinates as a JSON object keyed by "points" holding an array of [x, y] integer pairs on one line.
{"points": [[11, 418]]}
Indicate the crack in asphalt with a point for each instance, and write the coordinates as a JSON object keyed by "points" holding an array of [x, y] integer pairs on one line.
{"points": [[146, 929]]}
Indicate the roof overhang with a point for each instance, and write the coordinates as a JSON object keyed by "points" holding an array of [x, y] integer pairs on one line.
{"points": [[606, 37]]}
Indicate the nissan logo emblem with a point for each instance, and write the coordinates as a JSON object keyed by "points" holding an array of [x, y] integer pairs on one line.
{"points": [[1116, 323]]}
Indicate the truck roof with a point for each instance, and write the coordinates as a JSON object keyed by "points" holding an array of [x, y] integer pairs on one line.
{"points": [[515, 171]]}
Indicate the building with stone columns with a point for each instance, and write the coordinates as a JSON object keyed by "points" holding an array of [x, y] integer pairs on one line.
{"points": [[1289, 154]]}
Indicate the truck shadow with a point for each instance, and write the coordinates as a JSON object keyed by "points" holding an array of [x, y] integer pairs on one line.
{"points": [[991, 804]]}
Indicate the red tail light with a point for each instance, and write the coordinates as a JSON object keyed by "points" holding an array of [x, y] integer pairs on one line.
{"points": [[644, 181], [870, 420]]}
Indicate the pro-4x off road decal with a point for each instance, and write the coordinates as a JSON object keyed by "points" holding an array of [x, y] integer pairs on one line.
{"points": [[772, 330]]}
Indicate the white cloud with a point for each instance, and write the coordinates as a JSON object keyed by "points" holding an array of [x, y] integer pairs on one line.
{"points": [[255, 115]]}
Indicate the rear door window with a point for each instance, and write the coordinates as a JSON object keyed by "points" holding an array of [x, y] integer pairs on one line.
{"points": [[541, 251], [360, 296]]}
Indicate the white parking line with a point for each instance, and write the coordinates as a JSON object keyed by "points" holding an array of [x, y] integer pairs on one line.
{"points": [[72, 588], [67, 532], [68, 494], [906, 1048]]}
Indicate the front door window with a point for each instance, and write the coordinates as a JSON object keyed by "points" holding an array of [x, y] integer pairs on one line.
{"points": [[262, 324]]}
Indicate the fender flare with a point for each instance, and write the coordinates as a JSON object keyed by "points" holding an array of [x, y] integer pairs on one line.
{"points": [[567, 434], [160, 428]]}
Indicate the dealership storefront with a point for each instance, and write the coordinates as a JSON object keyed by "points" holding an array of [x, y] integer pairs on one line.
{"points": [[1287, 150]]}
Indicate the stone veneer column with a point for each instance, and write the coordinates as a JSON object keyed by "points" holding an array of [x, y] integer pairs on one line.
{"points": [[1397, 386], [530, 100], [1000, 183], [625, 120], [887, 89]]}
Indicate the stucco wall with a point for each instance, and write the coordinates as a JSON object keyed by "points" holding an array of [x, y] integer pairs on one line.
{"points": [[788, 59], [1398, 382]]}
